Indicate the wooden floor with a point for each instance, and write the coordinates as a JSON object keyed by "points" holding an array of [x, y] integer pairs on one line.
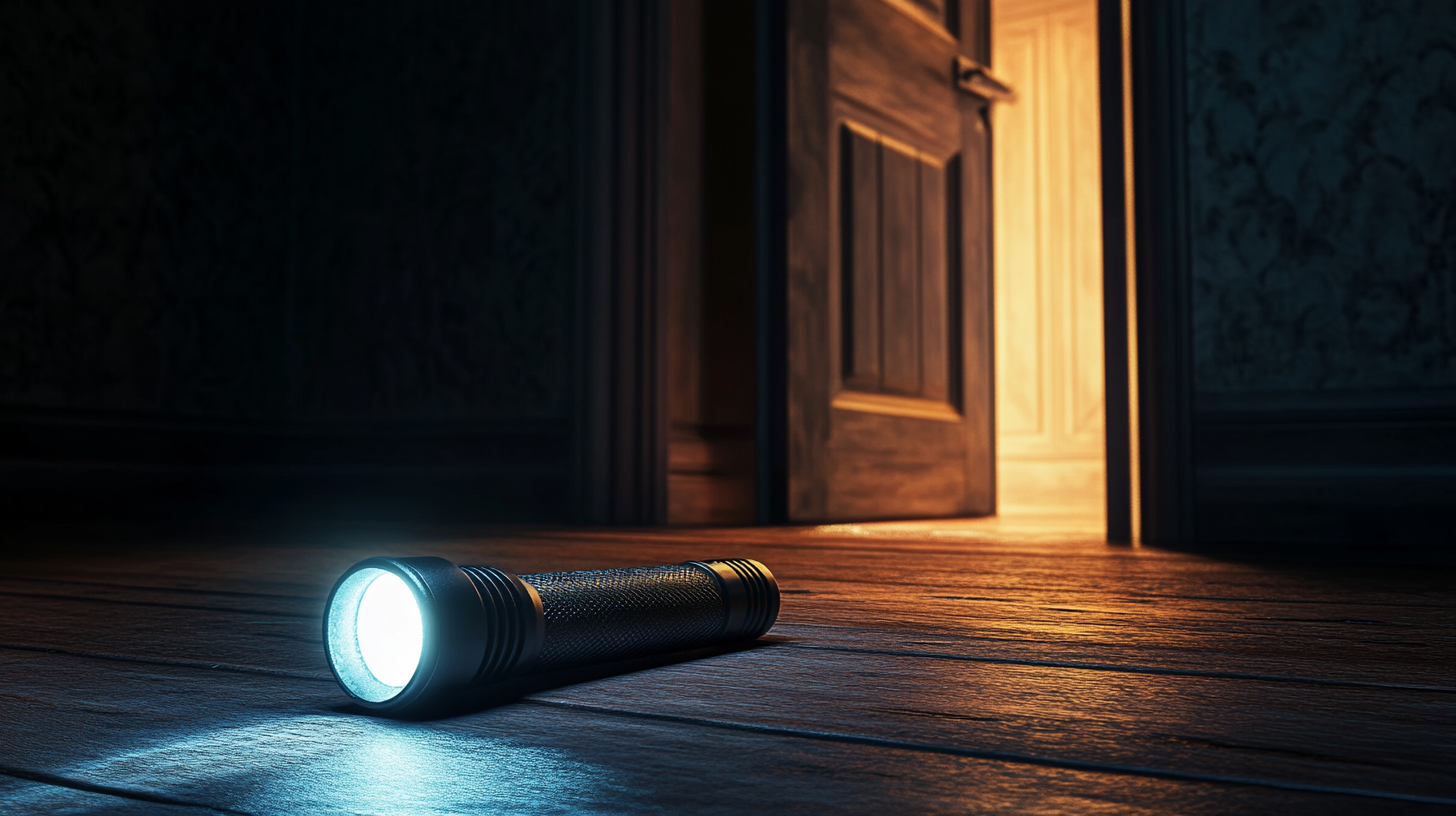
{"points": [[967, 667]]}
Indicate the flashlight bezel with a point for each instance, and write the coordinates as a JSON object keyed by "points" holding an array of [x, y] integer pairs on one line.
{"points": [[453, 631], [348, 651]]}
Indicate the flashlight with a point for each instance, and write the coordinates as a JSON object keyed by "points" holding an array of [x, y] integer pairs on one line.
{"points": [[403, 633]]}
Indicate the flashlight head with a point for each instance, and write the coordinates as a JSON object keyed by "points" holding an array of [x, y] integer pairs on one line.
{"points": [[399, 631]]}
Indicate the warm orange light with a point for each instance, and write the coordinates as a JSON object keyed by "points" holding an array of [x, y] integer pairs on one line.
{"points": [[1050, 413]]}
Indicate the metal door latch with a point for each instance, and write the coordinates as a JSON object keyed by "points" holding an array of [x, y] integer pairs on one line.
{"points": [[973, 77]]}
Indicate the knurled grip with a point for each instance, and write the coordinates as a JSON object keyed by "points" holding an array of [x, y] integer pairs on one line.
{"points": [[612, 614], [555, 620]]}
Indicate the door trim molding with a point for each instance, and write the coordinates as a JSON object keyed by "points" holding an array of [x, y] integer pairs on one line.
{"points": [[1117, 272], [1145, 248], [1161, 258], [771, 437], [622, 425]]}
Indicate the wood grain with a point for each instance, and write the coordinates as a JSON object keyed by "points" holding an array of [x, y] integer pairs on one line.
{"points": [[860, 232], [280, 747], [710, 288], [935, 304], [880, 280], [924, 667], [900, 270], [972, 255], [808, 260]]}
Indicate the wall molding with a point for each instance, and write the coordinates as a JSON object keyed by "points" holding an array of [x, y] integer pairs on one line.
{"points": [[1375, 405], [1356, 468]]}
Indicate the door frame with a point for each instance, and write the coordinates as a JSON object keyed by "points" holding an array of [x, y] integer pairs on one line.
{"points": [[1147, 359], [1148, 363], [621, 429], [771, 473]]}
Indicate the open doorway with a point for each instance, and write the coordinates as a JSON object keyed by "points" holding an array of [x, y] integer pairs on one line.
{"points": [[1050, 416], [880, 260]]}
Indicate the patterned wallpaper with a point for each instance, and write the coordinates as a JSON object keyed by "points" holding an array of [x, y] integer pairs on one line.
{"points": [[275, 209], [1322, 162], [143, 151], [435, 208]]}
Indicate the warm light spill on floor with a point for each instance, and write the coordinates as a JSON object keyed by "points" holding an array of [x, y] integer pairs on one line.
{"points": [[1061, 526]]}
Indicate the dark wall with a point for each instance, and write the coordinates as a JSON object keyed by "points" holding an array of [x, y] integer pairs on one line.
{"points": [[144, 183], [1322, 252], [288, 254], [434, 203], [1321, 142]]}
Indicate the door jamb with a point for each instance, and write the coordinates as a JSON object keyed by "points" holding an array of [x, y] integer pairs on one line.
{"points": [[1150, 487], [771, 460], [621, 423]]}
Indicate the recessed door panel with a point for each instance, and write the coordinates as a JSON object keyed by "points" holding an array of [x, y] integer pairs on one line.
{"points": [[860, 160], [895, 235], [900, 271], [888, 279], [935, 303]]}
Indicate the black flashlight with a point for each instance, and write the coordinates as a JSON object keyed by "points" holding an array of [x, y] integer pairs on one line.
{"points": [[404, 633]]}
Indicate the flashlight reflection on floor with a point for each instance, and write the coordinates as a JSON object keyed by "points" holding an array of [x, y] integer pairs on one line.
{"points": [[324, 764]]}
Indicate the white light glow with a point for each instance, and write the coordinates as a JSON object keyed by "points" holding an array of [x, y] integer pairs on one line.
{"points": [[389, 630]]}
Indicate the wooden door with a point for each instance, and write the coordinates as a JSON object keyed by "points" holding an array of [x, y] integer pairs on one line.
{"points": [[888, 330]]}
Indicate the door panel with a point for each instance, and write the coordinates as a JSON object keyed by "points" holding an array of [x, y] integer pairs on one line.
{"points": [[935, 305], [861, 259], [899, 272], [894, 235], [889, 392]]}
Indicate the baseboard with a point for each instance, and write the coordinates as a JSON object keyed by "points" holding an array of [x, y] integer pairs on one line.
{"points": [[1366, 470], [710, 475]]}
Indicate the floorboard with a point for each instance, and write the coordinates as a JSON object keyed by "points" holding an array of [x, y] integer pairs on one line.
{"points": [[916, 667]]}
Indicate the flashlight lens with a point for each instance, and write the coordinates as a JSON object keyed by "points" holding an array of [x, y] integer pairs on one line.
{"points": [[389, 630], [374, 633]]}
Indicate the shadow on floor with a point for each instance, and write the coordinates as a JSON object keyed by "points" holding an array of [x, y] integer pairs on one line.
{"points": [[513, 689]]}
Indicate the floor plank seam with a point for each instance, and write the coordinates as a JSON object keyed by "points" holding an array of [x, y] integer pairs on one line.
{"points": [[162, 604], [1308, 601], [994, 755], [927, 672], [155, 798], [1063, 590], [1115, 667], [156, 661], [319, 599]]}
